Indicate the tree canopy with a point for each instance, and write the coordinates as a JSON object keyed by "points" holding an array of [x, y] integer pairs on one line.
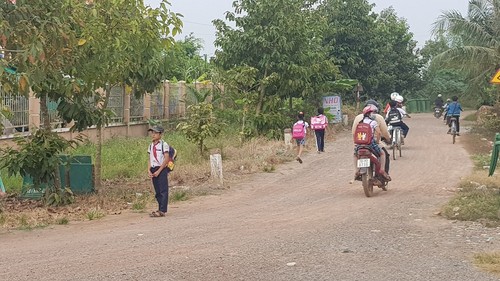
{"points": [[474, 47]]}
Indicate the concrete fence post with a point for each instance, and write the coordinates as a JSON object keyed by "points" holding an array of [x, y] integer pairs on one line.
{"points": [[288, 138], [216, 167]]}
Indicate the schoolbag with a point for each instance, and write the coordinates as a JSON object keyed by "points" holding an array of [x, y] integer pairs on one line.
{"points": [[172, 156], [363, 134], [299, 130], [318, 122], [393, 117]]}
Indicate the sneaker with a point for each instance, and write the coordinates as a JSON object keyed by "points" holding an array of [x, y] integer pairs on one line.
{"points": [[298, 159]]}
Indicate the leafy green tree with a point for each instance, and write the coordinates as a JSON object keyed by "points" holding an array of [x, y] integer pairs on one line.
{"points": [[200, 124], [476, 51], [398, 66], [123, 42], [377, 50], [65, 50], [439, 79], [184, 62], [41, 45], [282, 40]]}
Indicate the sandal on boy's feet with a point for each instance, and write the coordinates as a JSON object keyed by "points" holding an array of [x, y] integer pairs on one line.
{"points": [[157, 214], [357, 176], [298, 159]]}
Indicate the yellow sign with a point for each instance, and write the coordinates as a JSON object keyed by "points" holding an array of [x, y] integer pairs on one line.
{"points": [[496, 78]]}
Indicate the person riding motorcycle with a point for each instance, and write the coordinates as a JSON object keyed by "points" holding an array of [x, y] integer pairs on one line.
{"points": [[387, 106], [373, 106], [439, 102]]}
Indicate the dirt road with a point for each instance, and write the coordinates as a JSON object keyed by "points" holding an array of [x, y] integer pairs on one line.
{"points": [[302, 222]]}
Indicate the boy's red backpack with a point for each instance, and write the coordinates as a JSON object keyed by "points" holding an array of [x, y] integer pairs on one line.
{"points": [[363, 133], [299, 130], [318, 122]]}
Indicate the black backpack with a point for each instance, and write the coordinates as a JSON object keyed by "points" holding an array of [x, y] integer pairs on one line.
{"points": [[393, 117]]}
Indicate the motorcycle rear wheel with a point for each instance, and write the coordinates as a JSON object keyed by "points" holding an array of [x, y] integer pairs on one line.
{"points": [[453, 130], [368, 182]]}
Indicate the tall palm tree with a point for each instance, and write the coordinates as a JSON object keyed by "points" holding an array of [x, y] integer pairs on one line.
{"points": [[475, 40]]}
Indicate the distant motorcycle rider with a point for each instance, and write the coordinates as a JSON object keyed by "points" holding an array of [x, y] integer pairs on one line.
{"points": [[395, 117], [439, 102]]}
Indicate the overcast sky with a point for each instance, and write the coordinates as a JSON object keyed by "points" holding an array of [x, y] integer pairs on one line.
{"points": [[198, 15]]}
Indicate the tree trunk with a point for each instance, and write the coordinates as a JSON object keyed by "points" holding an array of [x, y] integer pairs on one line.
{"points": [[44, 114], [261, 95], [243, 121], [99, 135]]}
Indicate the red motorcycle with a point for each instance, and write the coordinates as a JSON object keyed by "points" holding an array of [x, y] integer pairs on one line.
{"points": [[369, 170]]}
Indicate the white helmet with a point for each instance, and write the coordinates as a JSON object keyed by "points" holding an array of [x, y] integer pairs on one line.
{"points": [[399, 99], [394, 95], [439, 95]]}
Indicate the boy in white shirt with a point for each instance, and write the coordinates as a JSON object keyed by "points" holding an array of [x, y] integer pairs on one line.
{"points": [[158, 160]]}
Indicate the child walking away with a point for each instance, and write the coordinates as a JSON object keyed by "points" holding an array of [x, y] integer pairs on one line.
{"points": [[319, 124], [299, 134], [157, 169]]}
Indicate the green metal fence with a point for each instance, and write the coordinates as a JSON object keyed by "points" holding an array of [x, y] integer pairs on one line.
{"points": [[418, 105]]}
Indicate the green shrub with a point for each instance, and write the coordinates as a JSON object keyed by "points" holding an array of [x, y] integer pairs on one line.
{"points": [[95, 213]]}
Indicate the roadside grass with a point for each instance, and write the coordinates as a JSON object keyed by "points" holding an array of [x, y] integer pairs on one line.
{"points": [[478, 196], [95, 213], [62, 221], [476, 201], [126, 185], [12, 184], [488, 261]]}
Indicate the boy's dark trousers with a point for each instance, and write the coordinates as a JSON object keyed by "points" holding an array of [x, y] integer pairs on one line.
{"points": [[320, 139], [160, 184]]}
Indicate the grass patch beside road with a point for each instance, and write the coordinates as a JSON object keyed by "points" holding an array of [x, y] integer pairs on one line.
{"points": [[488, 261], [478, 196]]}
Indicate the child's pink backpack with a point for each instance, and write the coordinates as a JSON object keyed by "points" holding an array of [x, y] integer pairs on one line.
{"points": [[299, 130], [318, 122]]}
